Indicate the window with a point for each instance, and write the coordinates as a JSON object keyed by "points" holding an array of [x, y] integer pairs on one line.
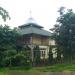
{"points": [[43, 53]]}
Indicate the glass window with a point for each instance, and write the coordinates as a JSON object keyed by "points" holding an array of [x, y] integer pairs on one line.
{"points": [[42, 53]]}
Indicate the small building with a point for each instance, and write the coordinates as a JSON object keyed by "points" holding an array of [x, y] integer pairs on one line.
{"points": [[33, 34]]}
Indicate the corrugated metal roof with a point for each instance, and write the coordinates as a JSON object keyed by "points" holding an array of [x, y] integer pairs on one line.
{"points": [[34, 30], [30, 24]]}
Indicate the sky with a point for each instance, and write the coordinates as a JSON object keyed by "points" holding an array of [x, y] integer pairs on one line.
{"points": [[43, 11]]}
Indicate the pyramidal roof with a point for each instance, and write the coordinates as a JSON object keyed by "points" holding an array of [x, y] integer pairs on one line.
{"points": [[31, 22], [31, 27]]}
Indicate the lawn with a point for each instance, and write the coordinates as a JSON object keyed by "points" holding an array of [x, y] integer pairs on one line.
{"points": [[54, 68], [3, 73]]}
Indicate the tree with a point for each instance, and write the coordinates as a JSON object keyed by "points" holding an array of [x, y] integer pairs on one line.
{"points": [[64, 33], [21, 58], [4, 14], [7, 43], [11, 54], [50, 59]]}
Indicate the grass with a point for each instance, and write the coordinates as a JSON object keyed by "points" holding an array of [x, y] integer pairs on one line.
{"points": [[53, 68], [3, 73]]}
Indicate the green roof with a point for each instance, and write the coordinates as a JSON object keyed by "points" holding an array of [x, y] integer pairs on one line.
{"points": [[34, 30]]}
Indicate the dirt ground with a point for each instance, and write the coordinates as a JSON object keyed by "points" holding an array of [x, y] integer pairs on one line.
{"points": [[45, 73]]}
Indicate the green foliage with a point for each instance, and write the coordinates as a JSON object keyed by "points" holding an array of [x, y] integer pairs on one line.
{"points": [[50, 59], [11, 54], [64, 34], [59, 54], [3, 35], [4, 14], [7, 43], [36, 55]]}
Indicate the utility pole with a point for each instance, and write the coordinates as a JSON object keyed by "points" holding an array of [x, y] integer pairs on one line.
{"points": [[32, 48]]}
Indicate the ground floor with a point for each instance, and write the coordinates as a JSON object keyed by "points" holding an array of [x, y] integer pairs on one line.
{"points": [[44, 51]]}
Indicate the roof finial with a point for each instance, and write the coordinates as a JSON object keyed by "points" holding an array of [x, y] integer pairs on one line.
{"points": [[30, 14]]}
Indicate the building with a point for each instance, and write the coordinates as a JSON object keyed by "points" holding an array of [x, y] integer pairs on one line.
{"points": [[33, 34]]}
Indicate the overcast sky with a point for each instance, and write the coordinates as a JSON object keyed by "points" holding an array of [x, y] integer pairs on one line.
{"points": [[43, 11]]}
